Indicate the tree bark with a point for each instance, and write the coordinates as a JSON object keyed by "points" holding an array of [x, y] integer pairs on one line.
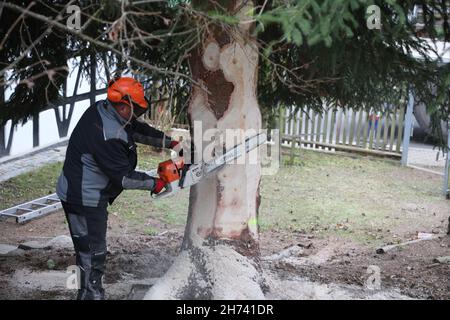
{"points": [[220, 252]]}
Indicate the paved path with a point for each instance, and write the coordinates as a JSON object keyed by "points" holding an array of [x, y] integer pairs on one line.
{"points": [[16, 166], [423, 155]]}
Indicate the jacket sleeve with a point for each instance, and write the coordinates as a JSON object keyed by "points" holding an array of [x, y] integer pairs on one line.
{"points": [[145, 134], [112, 158]]}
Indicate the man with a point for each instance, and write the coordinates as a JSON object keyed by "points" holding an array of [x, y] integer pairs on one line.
{"points": [[100, 162]]}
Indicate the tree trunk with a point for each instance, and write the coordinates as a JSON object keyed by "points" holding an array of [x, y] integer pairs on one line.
{"points": [[219, 257]]}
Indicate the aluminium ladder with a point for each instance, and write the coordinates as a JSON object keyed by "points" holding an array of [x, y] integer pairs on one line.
{"points": [[33, 209]]}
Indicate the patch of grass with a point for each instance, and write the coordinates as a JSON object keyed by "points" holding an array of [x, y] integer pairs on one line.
{"points": [[362, 198], [173, 210], [148, 158], [29, 186], [137, 208]]}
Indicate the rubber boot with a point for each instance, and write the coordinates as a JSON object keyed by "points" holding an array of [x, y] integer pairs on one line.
{"points": [[92, 267], [96, 277]]}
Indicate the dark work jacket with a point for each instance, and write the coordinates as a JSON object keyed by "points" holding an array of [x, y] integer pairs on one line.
{"points": [[101, 157]]}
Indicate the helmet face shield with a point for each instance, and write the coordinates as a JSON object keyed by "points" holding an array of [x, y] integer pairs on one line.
{"points": [[137, 110]]}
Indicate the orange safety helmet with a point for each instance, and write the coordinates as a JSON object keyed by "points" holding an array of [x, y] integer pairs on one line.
{"points": [[129, 91]]}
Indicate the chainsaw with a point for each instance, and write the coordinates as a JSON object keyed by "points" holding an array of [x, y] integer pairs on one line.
{"points": [[177, 175]]}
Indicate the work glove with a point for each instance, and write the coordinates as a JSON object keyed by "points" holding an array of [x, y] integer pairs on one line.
{"points": [[159, 185]]}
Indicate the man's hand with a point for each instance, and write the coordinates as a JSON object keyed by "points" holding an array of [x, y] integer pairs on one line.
{"points": [[159, 185]]}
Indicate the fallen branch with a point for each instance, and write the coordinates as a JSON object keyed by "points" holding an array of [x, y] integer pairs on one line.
{"points": [[445, 259], [393, 246]]}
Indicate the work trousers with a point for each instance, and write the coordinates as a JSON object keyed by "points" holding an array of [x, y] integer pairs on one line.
{"points": [[87, 227]]}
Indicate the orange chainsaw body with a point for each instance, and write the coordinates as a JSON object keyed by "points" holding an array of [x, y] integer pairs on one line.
{"points": [[177, 175], [170, 170]]}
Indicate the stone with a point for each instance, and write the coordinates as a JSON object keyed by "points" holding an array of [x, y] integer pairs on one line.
{"points": [[17, 252], [60, 242], [32, 245], [6, 248]]}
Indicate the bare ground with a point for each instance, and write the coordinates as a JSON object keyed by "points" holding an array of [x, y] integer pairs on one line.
{"points": [[330, 268]]}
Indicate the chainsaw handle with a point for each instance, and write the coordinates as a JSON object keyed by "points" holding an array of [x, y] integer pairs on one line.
{"points": [[169, 189]]}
